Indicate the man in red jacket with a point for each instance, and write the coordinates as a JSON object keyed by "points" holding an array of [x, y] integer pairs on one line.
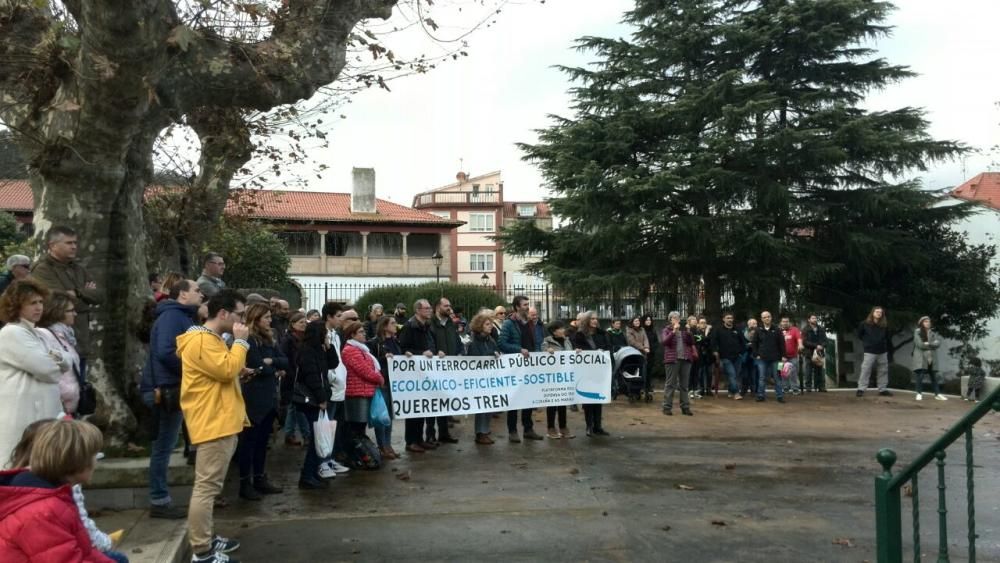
{"points": [[793, 348]]}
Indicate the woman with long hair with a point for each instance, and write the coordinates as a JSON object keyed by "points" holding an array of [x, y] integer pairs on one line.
{"points": [[294, 419], [312, 393], [266, 365], [874, 337], [638, 339], [384, 346], [29, 370], [649, 327], [56, 329], [925, 362], [589, 336]]}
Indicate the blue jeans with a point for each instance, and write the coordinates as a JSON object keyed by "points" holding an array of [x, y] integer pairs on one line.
{"points": [[383, 436], [310, 466], [294, 418], [767, 369], [168, 426], [116, 556], [483, 422], [729, 368]]}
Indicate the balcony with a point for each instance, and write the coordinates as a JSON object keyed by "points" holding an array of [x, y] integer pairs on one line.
{"points": [[452, 199]]}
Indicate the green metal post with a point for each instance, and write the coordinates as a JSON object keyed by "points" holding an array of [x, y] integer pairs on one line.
{"points": [[915, 486], [971, 499], [942, 511], [888, 526]]}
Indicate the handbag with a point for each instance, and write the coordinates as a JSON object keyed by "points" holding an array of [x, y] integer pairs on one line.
{"points": [[88, 400], [378, 412]]}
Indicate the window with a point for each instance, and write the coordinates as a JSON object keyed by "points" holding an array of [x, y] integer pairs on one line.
{"points": [[423, 244], [300, 243], [385, 245], [527, 210], [481, 262], [343, 244], [481, 222]]}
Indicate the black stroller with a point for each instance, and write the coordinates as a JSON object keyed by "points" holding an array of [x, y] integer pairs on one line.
{"points": [[628, 378]]}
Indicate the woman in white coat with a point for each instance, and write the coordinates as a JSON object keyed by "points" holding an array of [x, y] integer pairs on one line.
{"points": [[56, 330], [29, 370]]}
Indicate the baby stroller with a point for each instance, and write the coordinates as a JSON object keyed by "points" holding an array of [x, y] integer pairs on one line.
{"points": [[628, 378]]}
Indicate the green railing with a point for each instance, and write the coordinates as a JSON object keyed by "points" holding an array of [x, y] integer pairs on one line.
{"points": [[889, 488]]}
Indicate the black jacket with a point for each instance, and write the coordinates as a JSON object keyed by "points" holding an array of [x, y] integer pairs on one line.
{"points": [[600, 339], [379, 348], [417, 337], [812, 338], [313, 365], [290, 346], [874, 338], [260, 391], [616, 340], [446, 337], [728, 342], [768, 344], [483, 345]]}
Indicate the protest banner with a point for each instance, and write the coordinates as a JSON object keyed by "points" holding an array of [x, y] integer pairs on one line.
{"points": [[456, 385]]}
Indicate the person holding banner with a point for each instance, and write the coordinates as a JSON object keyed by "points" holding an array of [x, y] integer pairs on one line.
{"points": [[447, 342], [418, 340], [518, 337], [589, 336], [483, 344], [556, 341], [385, 345]]}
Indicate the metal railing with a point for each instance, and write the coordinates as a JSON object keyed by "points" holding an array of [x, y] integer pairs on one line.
{"points": [[889, 490], [457, 198]]}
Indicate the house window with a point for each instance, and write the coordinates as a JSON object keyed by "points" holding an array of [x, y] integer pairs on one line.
{"points": [[385, 245], [423, 244], [480, 262], [481, 222], [525, 210], [300, 243], [343, 244]]}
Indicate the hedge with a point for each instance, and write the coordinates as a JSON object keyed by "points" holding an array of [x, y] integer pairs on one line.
{"points": [[468, 298]]}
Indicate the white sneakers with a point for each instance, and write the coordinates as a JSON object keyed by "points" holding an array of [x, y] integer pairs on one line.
{"points": [[941, 397], [919, 397], [329, 469]]}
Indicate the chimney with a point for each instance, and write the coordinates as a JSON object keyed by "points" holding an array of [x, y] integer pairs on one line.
{"points": [[363, 191]]}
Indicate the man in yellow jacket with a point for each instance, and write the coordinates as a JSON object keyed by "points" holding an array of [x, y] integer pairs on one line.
{"points": [[214, 411]]}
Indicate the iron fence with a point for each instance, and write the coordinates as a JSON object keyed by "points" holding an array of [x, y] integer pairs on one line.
{"points": [[551, 302]]}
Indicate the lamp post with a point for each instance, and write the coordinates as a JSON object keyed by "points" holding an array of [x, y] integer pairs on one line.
{"points": [[437, 259], [485, 279]]}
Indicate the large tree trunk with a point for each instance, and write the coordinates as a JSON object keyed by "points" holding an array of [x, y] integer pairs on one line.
{"points": [[101, 198]]}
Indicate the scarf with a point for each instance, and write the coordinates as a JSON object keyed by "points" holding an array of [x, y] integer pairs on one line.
{"points": [[64, 331], [362, 347]]}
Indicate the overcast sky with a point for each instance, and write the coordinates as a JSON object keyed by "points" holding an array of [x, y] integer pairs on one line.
{"points": [[476, 108]]}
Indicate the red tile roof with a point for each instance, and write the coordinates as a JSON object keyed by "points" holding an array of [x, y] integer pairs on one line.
{"points": [[984, 188], [320, 207]]}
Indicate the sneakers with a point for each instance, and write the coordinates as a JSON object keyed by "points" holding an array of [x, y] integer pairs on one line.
{"points": [[738, 397], [338, 468], [554, 434], [213, 557], [514, 438], [565, 433], [170, 512], [224, 545], [326, 471], [940, 397], [919, 397]]}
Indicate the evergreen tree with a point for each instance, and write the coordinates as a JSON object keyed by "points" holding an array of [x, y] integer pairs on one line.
{"points": [[725, 142]]}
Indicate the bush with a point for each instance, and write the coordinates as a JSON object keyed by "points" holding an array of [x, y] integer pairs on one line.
{"points": [[469, 298], [255, 256]]}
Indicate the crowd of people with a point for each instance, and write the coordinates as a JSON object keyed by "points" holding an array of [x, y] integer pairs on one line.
{"points": [[226, 370]]}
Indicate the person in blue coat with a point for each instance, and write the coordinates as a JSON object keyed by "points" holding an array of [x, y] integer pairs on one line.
{"points": [[266, 364], [160, 388], [517, 336]]}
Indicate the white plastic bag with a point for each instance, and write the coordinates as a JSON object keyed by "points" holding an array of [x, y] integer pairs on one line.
{"points": [[323, 432], [338, 384]]}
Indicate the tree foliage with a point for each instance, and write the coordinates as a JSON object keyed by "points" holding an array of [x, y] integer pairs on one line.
{"points": [[255, 256], [470, 298], [724, 144]]}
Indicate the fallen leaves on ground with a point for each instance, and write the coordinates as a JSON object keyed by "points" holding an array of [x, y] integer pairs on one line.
{"points": [[730, 466], [843, 542], [718, 523], [574, 471]]}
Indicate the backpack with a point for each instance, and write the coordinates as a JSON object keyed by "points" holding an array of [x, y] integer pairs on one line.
{"points": [[364, 454]]}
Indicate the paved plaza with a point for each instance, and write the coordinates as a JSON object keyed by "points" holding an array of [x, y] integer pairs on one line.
{"points": [[739, 481]]}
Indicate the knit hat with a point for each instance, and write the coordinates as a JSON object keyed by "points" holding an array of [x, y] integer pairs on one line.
{"points": [[922, 319]]}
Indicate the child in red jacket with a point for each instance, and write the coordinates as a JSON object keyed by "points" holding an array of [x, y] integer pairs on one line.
{"points": [[39, 521]]}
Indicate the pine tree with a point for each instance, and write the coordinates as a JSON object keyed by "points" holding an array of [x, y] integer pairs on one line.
{"points": [[725, 142]]}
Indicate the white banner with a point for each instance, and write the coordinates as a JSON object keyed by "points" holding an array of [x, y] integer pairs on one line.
{"points": [[456, 385]]}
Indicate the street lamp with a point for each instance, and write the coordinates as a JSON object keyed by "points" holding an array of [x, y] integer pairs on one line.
{"points": [[485, 279], [437, 259]]}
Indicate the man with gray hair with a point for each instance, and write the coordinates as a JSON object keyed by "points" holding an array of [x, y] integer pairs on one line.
{"points": [[18, 268], [677, 344]]}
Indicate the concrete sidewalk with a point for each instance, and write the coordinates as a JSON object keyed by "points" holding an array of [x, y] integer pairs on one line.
{"points": [[739, 481]]}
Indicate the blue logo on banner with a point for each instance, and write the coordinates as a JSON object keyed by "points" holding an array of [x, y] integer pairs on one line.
{"points": [[594, 396]]}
